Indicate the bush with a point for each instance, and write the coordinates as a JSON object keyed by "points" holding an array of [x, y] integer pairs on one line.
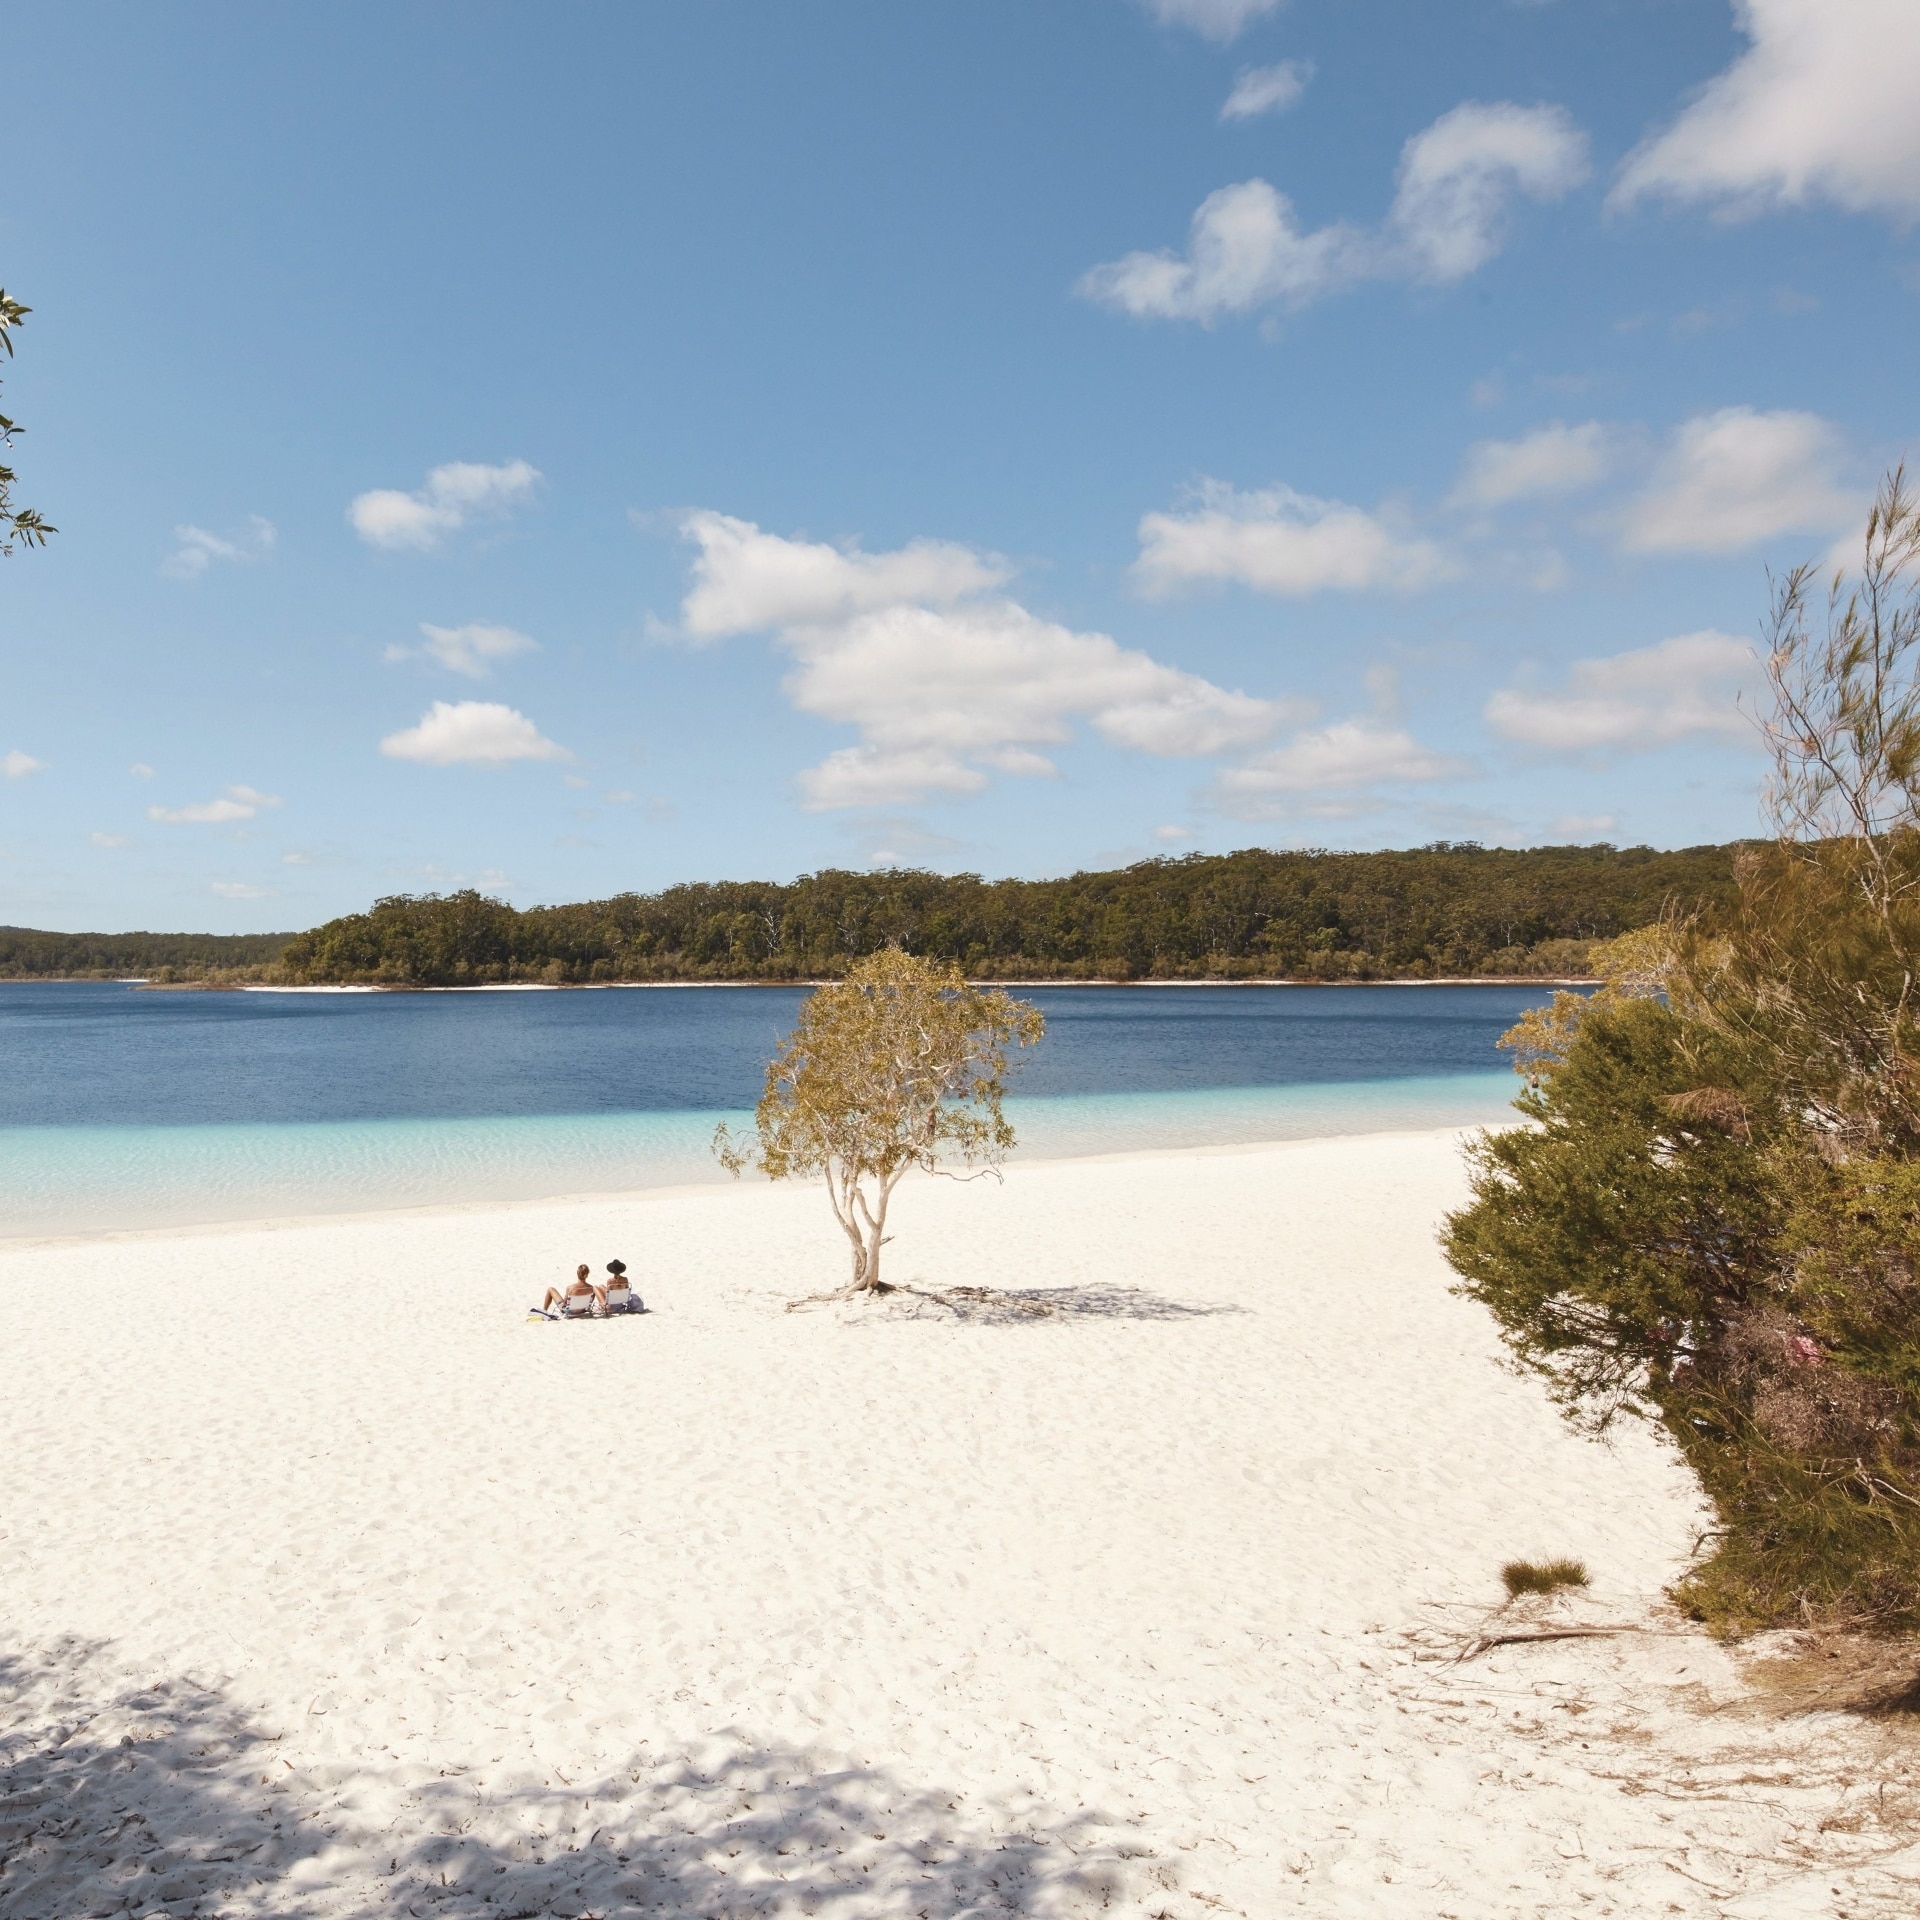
{"points": [[1542, 1576], [1715, 1221], [1623, 1219], [1664, 1242]]}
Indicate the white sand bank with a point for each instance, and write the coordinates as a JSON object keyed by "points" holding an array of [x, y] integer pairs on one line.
{"points": [[329, 1586]]}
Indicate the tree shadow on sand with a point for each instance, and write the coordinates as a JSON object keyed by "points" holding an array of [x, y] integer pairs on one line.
{"points": [[756, 1831], [1022, 1306], [119, 1800], [127, 1799]]}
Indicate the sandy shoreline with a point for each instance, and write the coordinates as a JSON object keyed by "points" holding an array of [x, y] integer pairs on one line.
{"points": [[332, 1587], [715, 1186]]}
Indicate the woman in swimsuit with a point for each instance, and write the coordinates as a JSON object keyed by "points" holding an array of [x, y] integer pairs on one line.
{"points": [[556, 1301]]}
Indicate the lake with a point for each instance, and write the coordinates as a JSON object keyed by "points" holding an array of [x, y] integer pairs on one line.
{"points": [[121, 1108]]}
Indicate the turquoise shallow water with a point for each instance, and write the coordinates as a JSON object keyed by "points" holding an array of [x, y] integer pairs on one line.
{"points": [[85, 1179]]}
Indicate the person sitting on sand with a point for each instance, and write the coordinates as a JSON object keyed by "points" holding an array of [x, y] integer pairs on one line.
{"points": [[556, 1301], [617, 1296]]}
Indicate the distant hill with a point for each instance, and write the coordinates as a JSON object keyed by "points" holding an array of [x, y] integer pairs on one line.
{"points": [[26, 954], [1433, 912], [1438, 911]]}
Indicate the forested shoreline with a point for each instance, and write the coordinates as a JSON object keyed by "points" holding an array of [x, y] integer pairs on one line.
{"points": [[29, 954], [1443, 911]]}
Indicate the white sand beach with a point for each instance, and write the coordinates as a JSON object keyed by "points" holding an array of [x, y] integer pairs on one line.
{"points": [[331, 1586]]}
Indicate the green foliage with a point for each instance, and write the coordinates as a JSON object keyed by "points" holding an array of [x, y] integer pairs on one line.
{"points": [[1803, 1417], [28, 955], [1542, 1576], [1805, 1538], [1817, 966], [440, 940], [901, 1065], [1622, 1218], [1664, 1242], [1436, 912], [19, 526], [1431, 913], [1855, 1232], [1716, 1217], [1813, 969]]}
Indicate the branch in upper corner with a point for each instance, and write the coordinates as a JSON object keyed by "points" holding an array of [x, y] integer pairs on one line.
{"points": [[19, 526]]}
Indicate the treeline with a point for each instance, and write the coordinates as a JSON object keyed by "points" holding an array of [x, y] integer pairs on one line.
{"points": [[1439, 911], [27, 954]]}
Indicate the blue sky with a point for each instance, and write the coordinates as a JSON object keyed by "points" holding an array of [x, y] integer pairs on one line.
{"points": [[566, 450]]}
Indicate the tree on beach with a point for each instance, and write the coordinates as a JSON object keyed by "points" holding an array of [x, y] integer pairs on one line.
{"points": [[19, 526], [901, 1065], [1716, 1218]]}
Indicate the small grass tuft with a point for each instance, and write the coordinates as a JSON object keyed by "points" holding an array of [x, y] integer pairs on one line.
{"points": [[1542, 1576]]}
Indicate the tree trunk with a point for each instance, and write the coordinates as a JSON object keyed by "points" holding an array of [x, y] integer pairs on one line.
{"points": [[866, 1248], [865, 1226]]}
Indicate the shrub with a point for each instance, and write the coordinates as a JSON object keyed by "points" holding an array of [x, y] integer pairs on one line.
{"points": [[1542, 1576], [1715, 1220], [1602, 1236]]}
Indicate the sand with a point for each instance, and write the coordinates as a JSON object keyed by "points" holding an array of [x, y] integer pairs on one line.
{"points": [[331, 1586]]}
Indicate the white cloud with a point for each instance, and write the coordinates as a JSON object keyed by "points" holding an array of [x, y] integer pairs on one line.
{"points": [[1824, 105], [1552, 460], [1457, 178], [1217, 20], [471, 733], [296, 859], [1172, 836], [1245, 249], [1733, 478], [1261, 90], [239, 890], [474, 649], [17, 765], [1584, 826], [1344, 758], [945, 681], [745, 581], [1279, 541], [1634, 702], [454, 494], [237, 803], [195, 549], [140, 770], [204, 813], [879, 777], [108, 839]]}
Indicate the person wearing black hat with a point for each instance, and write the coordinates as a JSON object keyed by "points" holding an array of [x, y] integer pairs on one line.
{"points": [[615, 1296]]}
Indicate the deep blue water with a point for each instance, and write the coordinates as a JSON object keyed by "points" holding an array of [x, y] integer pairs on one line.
{"points": [[122, 1108], [101, 1054]]}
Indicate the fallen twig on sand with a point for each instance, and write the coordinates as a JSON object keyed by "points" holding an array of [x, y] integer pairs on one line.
{"points": [[1486, 1642]]}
